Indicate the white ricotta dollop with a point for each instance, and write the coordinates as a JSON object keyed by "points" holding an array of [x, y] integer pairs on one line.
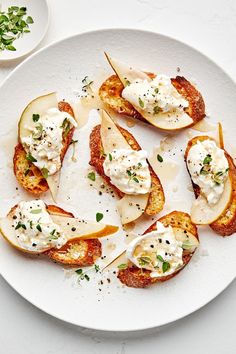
{"points": [[45, 142], [155, 96], [208, 168], [128, 170], [34, 227], [157, 251]]}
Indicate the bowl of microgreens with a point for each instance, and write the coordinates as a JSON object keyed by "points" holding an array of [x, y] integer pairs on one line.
{"points": [[23, 25]]}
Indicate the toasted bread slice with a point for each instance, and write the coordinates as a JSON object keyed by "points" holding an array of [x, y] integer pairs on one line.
{"points": [[77, 252], [225, 225], [156, 198], [110, 93], [135, 277], [27, 174]]}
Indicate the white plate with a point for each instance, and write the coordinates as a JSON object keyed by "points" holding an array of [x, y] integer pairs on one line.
{"points": [[61, 67], [39, 11]]}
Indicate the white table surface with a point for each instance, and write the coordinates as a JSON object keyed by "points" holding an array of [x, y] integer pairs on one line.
{"points": [[210, 26]]}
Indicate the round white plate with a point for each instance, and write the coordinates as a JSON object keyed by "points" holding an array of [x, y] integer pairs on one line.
{"points": [[61, 67], [24, 45]]}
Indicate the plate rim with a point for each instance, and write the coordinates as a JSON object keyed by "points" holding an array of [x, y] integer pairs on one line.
{"points": [[53, 44]]}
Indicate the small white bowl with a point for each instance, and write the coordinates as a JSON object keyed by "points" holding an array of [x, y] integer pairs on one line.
{"points": [[38, 10]]}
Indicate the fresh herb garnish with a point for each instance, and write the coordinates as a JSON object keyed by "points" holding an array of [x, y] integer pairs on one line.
{"points": [[156, 90], [165, 266], [127, 82], [65, 126], [110, 157], [39, 131], [36, 211], [97, 268], [144, 260], [86, 84], [156, 110], [207, 159], [73, 142], [30, 158], [132, 176], [44, 172], [35, 117], [99, 217], [13, 24], [38, 227], [92, 176], [159, 257], [141, 103], [19, 225], [159, 158], [203, 171], [26, 171], [122, 266], [82, 274]]}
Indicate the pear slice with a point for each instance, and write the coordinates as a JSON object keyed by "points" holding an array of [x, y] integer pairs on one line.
{"points": [[26, 124], [126, 73], [53, 182], [190, 242], [204, 214], [38, 106], [130, 207], [84, 230], [161, 120], [110, 135]]}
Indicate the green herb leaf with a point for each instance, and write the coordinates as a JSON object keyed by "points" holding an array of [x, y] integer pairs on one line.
{"points": [[156, 110], [35, 117], [110, 157], [156, 90], [141, 103], [122, 266], [65, 126], [99, 217], [30, 158], [207, 160], [26, 171], [165, 267], [73, 142], [136, 179], [92, 176], [96, 267], [159, 257], [86, 277], [79, 271], [44, 172], [129, 173], [203, 171], [38, 227], [29, 20], [159, 158], [36, 211], [39, 131], [19, 225], [11, 48]]}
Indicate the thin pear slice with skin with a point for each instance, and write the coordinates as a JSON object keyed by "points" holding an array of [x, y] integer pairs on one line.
{"points": [[83, 230], [130, 207], [165, 121], [110, 135], [204, 214], [53, 182], [26, 124], [38, 106], [126, 73]]}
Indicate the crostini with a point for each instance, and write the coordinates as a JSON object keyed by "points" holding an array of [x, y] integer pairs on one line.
{"points": [[45, 131], [118, 158], [164, 249], [167, 103], [36, 228], [213, 175]]}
